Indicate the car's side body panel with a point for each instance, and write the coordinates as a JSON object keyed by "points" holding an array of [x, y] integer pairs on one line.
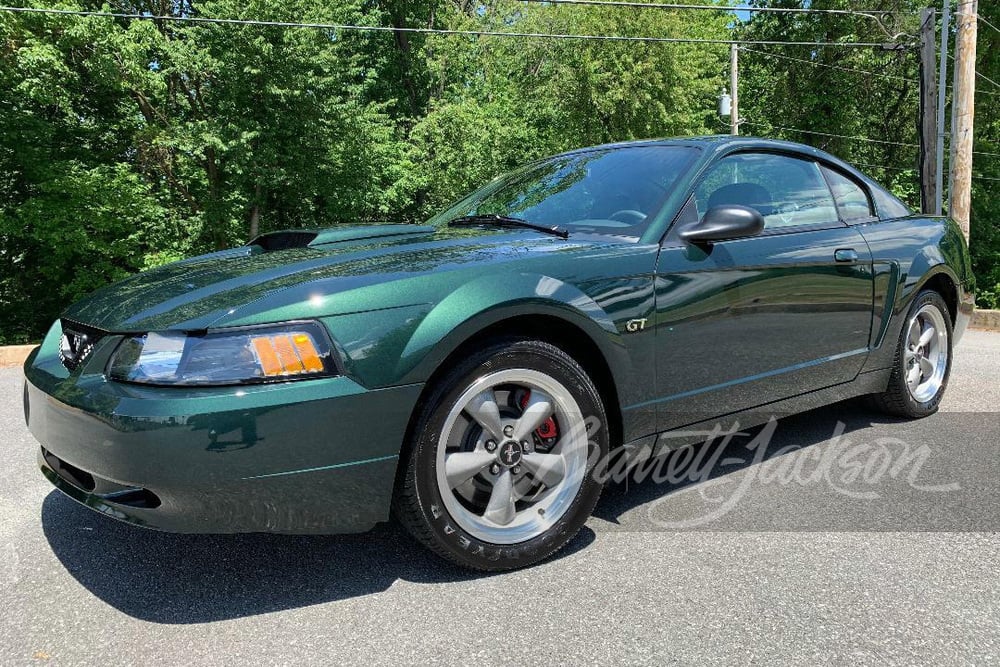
{"points": [[908, 254], [751, 321]]}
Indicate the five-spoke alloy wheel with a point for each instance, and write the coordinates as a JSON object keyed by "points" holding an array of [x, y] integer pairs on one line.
{"points": [[923, 360], [925, 352], [498, 475]]}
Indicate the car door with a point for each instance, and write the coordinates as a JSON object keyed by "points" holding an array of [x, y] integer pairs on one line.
{"points": [[744, 322]]}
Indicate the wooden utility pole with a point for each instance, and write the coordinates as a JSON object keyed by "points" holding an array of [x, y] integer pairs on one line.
{"points": [[928, 111], [962, 114], [734, 88]]}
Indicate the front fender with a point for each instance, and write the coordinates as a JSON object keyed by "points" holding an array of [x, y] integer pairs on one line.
{"points": [[485, 301]]}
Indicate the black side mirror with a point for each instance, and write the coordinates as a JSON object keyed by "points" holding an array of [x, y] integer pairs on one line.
{"points": [[724, 222]]}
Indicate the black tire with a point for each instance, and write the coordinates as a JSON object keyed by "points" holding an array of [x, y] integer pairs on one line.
{"points": [[897, 400], [418, 503]]}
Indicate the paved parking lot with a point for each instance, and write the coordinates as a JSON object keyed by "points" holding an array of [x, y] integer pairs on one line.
{"points": [[876, 542]]}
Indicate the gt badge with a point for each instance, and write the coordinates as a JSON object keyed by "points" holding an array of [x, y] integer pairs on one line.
{"points": [[635, 325]]}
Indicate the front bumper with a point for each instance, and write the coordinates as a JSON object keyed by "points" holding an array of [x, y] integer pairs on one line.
{"points": [[314, 456]]}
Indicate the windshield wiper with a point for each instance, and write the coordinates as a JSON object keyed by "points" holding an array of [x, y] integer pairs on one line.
{"points": [[505, 221]]}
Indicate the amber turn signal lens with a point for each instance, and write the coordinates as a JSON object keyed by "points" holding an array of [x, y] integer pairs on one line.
{"points": [[307, 353], [287, 354]]}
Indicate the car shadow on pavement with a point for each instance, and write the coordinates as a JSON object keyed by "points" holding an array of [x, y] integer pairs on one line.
{"points": [[177, 579], [172, 578], [700, 464]]}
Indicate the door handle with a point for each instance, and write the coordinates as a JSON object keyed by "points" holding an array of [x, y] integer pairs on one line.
{"points": [[845, 255]]}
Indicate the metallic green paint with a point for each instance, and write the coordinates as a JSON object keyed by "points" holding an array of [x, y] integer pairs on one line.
{"points": [[348, 464], [786, 317], [334, 235], [278, 458], [907, 253], [744, 327]]}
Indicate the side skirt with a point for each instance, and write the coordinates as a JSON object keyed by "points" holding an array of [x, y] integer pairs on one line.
{"points": [[654, 445]]}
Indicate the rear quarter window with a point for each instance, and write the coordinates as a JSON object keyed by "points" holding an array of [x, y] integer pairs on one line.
{"points": [[852, 201], [887, 206]]}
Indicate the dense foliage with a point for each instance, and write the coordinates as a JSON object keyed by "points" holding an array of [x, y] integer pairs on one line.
{"points": [[985, 230], [126, 143]]}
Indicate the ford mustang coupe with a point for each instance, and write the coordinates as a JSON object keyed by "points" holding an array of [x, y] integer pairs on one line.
{"points": [[472, 373]]}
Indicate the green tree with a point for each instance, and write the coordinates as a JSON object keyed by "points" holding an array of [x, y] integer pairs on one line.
{"points": [[869, 93], [497, 102], [984, 226]]}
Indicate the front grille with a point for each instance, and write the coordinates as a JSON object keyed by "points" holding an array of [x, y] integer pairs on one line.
{"points": [[78, 341]]}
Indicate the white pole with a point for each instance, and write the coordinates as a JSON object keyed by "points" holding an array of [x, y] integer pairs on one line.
{"points": [[734, 75], [942, 95]]}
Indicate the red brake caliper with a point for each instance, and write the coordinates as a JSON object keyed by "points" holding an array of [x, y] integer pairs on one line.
{"points": [[548, 429]]}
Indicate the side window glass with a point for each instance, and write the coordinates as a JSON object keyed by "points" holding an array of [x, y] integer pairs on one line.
{"points": [[852, 202], [787, 191], [889, 208]]}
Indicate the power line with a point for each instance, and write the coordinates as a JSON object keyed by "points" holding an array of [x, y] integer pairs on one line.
{"points": [[836, 67], [881, 166], [978, 73], [852, 138], [875, 15], [980, 91], [869, 13], [435, 31], [829, 134], [985, 178], [849, 69], [842, 68], [986, 78], [983, 19], [980, 18]]}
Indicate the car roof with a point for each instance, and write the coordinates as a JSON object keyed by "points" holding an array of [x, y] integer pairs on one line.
{"points": [[716, 142], [724, 143]]}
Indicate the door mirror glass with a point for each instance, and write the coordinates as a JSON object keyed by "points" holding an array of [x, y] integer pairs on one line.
{"points": [[720, 223]]}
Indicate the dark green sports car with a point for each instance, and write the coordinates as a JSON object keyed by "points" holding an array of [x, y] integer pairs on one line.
{"points": [[473, 373]]}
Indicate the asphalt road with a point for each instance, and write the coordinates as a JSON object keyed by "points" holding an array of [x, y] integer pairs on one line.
{"points": [[874, 543]]}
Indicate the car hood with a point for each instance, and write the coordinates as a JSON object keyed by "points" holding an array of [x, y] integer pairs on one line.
{"points": [[196, 293]]}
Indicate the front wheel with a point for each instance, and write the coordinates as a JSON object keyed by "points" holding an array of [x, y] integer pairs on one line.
{"points": [[499, 469], [923, 360]]}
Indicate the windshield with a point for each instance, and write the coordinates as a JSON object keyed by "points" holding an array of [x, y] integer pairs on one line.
{"points": [[614, 190]]}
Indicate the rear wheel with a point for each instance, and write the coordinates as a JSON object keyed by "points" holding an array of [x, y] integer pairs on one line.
{"points": [[923, 360], [499, 470]]}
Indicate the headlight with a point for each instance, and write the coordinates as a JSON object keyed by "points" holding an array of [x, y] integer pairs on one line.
{"points": [[236, 356]]}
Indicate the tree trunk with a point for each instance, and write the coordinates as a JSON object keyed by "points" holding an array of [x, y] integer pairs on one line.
{"points": [[255, 212], [215, 217]]}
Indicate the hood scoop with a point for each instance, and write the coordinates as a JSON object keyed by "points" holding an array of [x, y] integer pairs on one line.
{"points": [[287, 240]]}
